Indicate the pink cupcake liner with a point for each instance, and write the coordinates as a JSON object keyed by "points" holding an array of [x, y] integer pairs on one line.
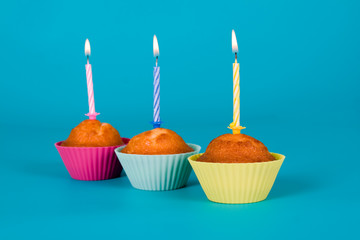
{"points": [[91, 163]]}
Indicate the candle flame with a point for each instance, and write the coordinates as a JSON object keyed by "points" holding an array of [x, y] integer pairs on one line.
{"points": [[234, 42], [156, 47], [87, 48]]}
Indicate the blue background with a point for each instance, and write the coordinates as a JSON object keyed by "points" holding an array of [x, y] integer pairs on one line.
{"points": [[300, 87]]}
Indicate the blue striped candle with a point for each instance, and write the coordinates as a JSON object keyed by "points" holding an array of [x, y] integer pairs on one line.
{"points": [[156, 122]]}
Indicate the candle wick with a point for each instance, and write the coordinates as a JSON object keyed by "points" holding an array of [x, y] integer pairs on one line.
{"points": [[236, 57], [157, 58]]}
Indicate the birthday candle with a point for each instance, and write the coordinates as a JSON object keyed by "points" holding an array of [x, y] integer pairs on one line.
{"points": [[156, 120], [235, 125], [236, 83], [92, 114]]}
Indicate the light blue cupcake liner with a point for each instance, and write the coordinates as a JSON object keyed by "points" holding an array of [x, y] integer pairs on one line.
{"points": [[157, 172]]}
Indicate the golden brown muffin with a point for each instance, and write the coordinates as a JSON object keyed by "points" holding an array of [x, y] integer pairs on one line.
{"points": [[158, 141], [93, 133], [236, 148]]}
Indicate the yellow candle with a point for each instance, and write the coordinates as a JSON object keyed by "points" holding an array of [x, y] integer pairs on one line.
{"points": [[235, 125], [236, 94]]}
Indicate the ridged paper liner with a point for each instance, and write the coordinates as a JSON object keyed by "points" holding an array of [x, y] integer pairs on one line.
{"points": [[236, 182], [157, 172], [91, 163]]}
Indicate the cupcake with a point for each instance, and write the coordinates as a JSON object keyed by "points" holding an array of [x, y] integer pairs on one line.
{"points": [[88, 152], [236, 168], [157, 160]]}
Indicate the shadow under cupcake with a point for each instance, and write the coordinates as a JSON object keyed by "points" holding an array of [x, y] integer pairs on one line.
{"points": [[88, 153], [236, 168], [156, 160]]}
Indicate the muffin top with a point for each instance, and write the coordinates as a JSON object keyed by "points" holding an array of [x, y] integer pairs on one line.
{"points": [[93, 133], [159, 141], [236, 148]]}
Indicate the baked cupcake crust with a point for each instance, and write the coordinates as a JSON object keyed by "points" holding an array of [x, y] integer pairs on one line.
{"points": [[236, 148], [93, 133], [159, 141]]}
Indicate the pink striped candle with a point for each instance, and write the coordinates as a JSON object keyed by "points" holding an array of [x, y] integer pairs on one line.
{"points": [[92, 114]]}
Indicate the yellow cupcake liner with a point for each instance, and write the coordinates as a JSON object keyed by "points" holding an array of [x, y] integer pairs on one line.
{"points": [[236, 182]]}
